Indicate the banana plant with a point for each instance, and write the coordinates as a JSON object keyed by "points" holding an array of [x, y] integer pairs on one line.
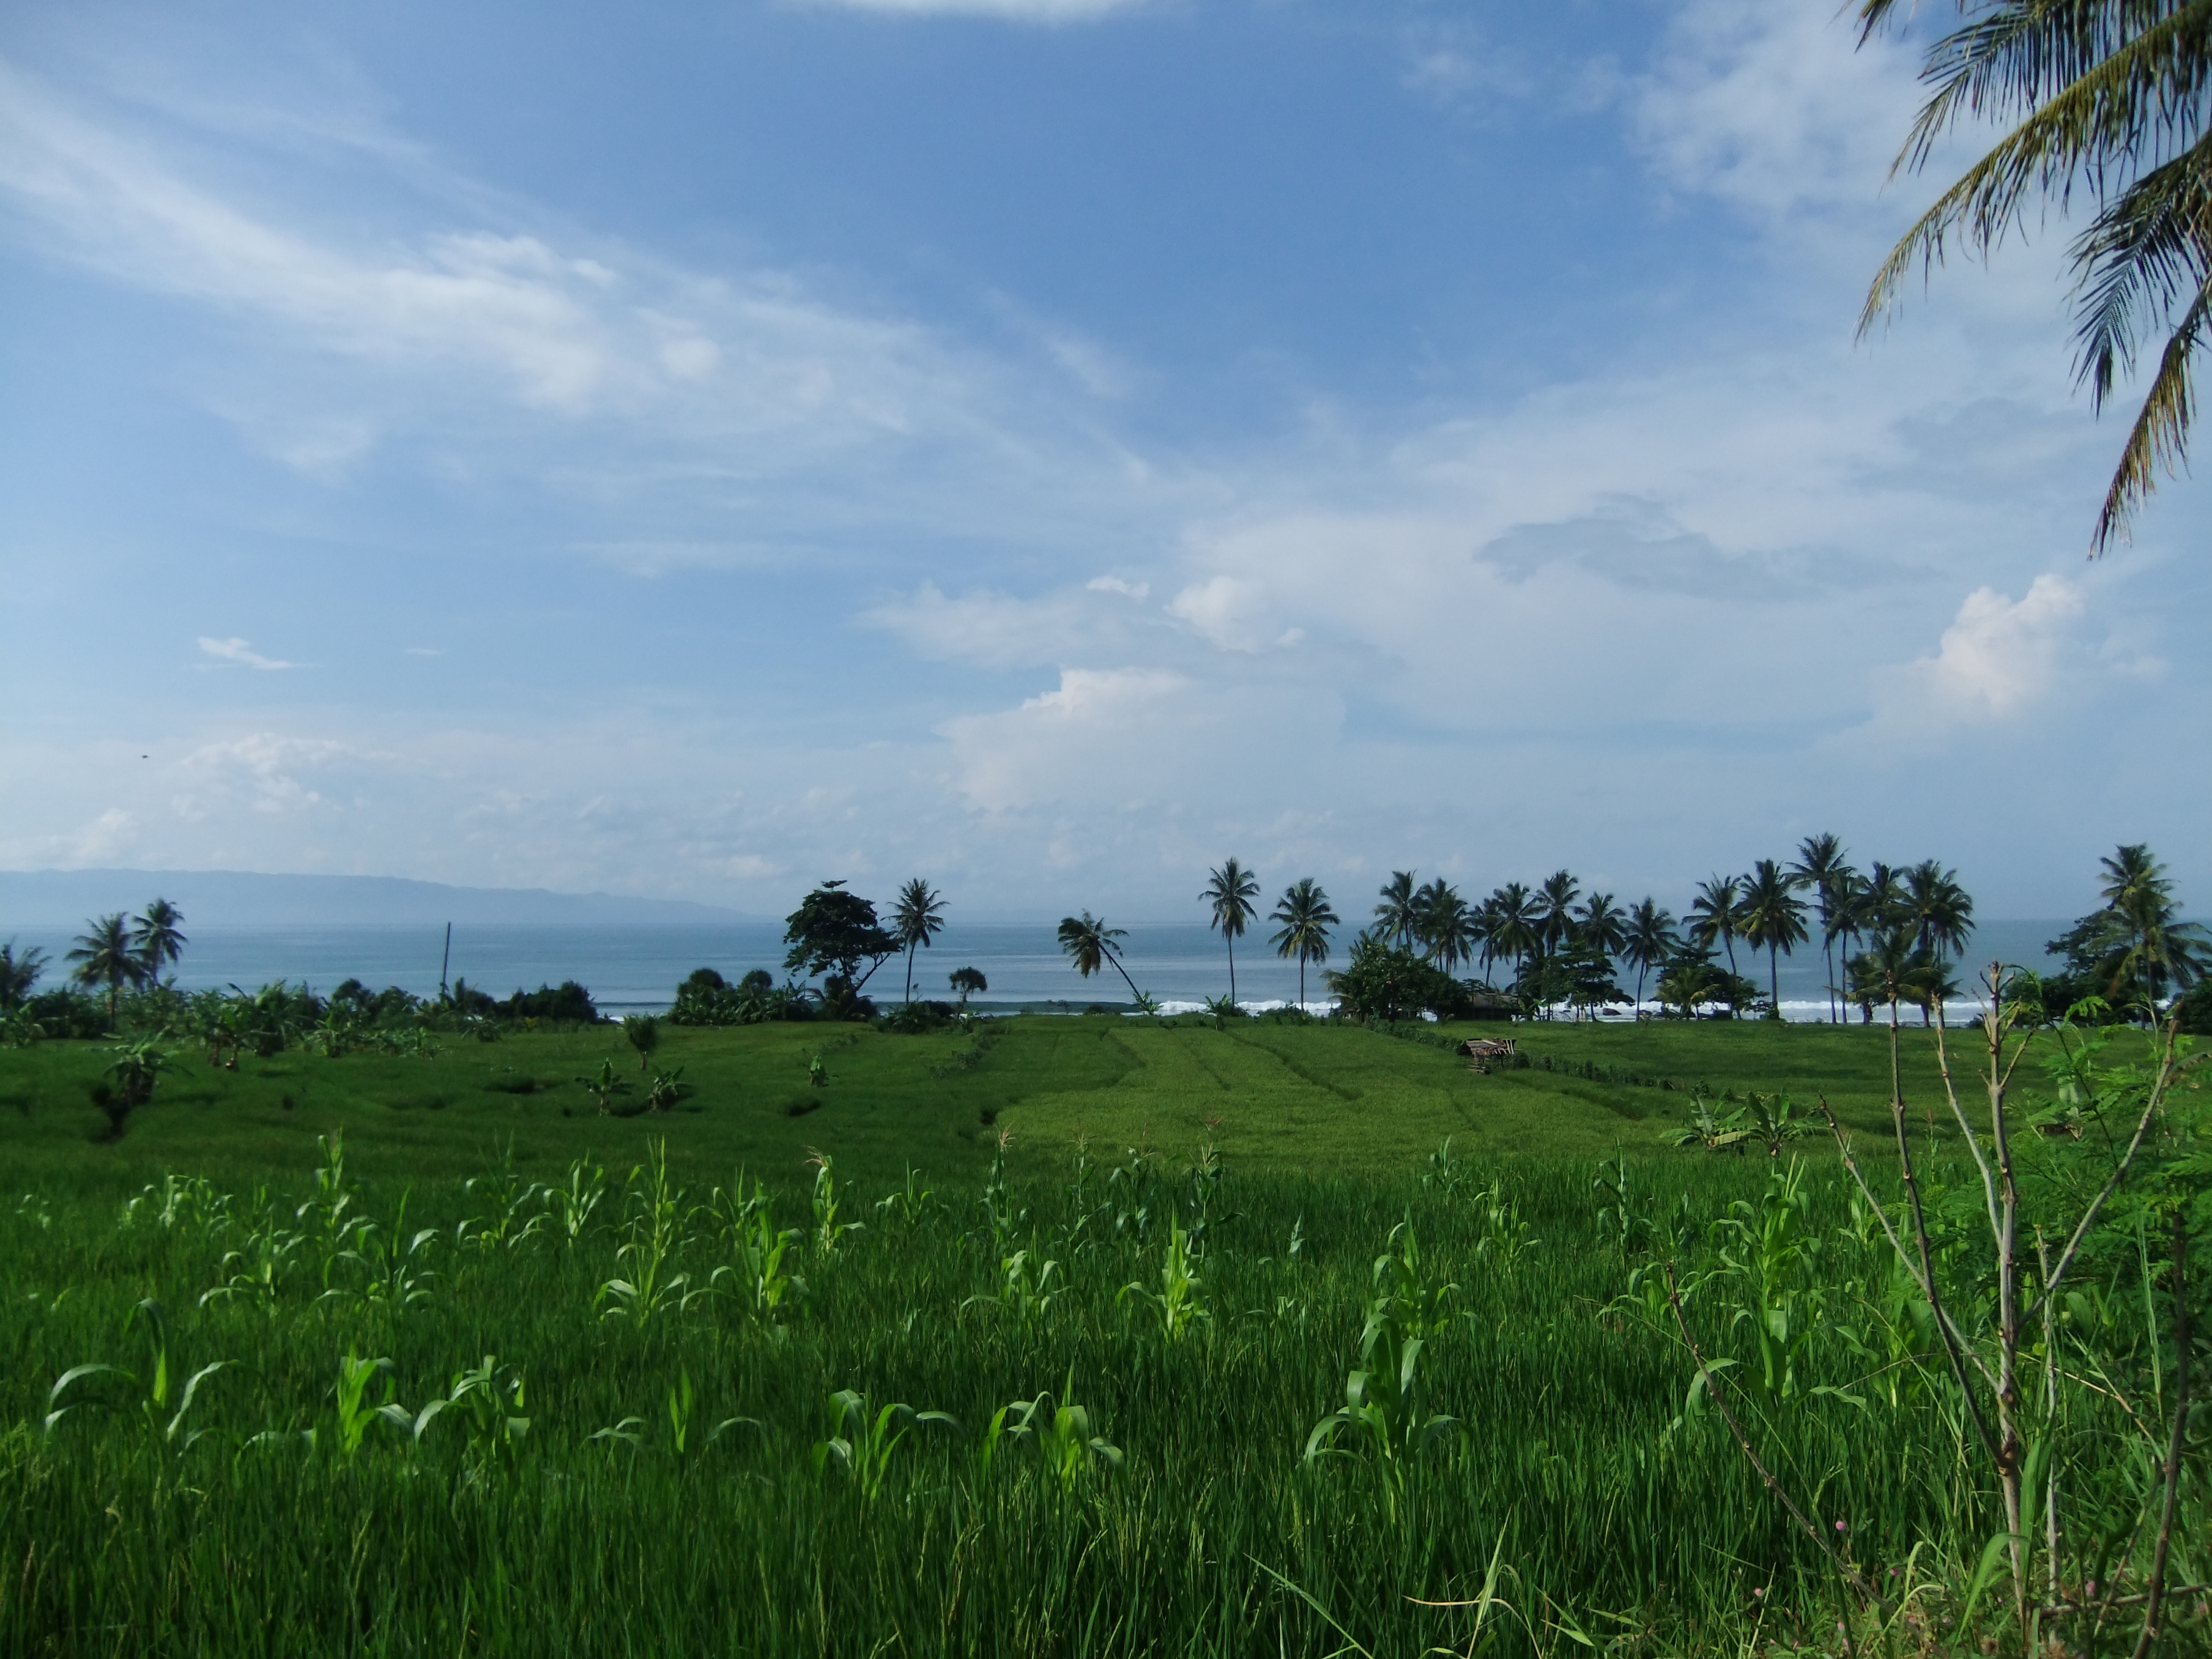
{"points": [[861, 1442], [608, 1087], [668, 1091], [1707, 1129], [154, 1397]]}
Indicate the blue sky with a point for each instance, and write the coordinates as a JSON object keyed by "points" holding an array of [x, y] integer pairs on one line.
{"points": [[694, 450]]}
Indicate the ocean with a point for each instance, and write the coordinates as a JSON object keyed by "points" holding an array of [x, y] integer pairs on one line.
{"points": [[636, 966]]}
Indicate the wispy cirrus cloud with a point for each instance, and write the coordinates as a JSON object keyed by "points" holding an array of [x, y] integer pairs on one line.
{"points": [[241, 653]]}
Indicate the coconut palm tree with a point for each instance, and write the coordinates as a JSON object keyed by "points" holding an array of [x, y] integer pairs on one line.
{"points": [[1396, 917], [1822, 867], [1773, 920], [2148, 945], [1228, 892], [1305, 912], [1602, 925], [2105, 98], [156, 938], [1649, 942], [105, 956], [1555, 915], [19, 974], [1937, 909], [1089, 943], [1514, 931], [916, 919], [1717, 915], [1446, 927]]}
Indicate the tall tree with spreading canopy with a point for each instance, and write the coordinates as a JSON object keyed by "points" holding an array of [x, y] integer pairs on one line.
{"points": [[1306, 917], [831, 934], [2108, 98], [1089, 943], [916, 919], [105, 956], [1444, 925], [1228, 892]]}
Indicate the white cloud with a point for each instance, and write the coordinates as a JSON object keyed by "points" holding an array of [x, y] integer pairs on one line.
{"points": [[1999, 658], [1082, 734], [1115, 585], [241, 653], [1011, 11]]}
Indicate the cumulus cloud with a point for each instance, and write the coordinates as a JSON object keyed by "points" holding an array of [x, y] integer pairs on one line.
{"points": [[1999, 657], [1084, 732], [241, 653]]}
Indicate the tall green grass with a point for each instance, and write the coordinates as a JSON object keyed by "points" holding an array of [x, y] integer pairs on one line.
{"points": [[653, 1416]]}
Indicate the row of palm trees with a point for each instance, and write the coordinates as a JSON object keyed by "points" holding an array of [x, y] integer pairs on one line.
{"points": [[116, 951], [1911, 916]]}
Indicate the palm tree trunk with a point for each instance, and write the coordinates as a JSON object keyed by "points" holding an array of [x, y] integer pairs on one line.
{"points": [[910, 970], [1124, 973], [1774, 979], [1231, 938]]}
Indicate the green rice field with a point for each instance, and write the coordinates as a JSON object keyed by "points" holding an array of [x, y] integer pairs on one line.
{"points": [[1053, 1336]]}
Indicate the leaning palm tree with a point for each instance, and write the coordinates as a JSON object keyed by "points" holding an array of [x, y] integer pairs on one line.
{"points": [[1305, 912], [1773, 920], [1089, 943], [2105, 97], [1228, 892], [916, 919], [1821, 865], [1555, 915], [105, 956], [1717, 915], [156, 936], [1399, 913], [1651, 942]]}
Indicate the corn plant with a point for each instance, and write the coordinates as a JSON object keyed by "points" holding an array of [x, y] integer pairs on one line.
{"points": [[1177, 1300], [517, 1208], [757, 1279], [682, 1409], [487, 1402], [188, 1206], [356, 1412], [1506, 1236], [1062, 1437], [1618, 1222], [999, 1213], [395, 1275], [571, 1206], [828, 1230], [650, 1287], [1769, 1261], [1445, 1173], [909, 1205], [111, 1387], [261, 1266], [1026, 1287], [861, 1444], [1383, 1413]]}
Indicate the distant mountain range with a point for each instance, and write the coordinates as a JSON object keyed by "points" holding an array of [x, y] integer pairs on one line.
{"points": [[239, 898]]}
